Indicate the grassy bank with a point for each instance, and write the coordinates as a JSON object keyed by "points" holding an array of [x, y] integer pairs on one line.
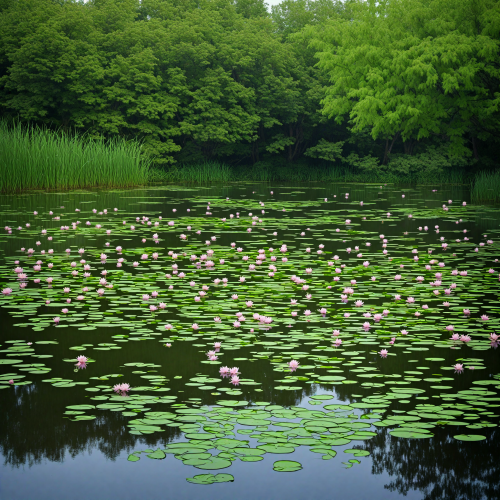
{"points": [[35, 158], [220, 172]]}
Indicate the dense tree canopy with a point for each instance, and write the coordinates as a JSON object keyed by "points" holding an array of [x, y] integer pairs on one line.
{"points": [[373, 85], [414, 69]]}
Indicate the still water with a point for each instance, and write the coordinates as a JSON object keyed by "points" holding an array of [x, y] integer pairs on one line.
{"points": [[358, 325]]}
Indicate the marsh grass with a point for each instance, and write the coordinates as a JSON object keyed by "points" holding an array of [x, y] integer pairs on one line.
{"points": [[200, 173], [37, 158], [486, 187], [215, 172]]}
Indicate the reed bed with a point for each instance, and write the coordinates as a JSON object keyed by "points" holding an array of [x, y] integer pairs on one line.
{"points": [[486, 187], [32, 157], [200, 173], [36, 158], [212, 171]]}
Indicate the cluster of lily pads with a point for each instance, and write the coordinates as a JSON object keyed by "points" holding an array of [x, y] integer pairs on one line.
{"points": [[311, 288]]}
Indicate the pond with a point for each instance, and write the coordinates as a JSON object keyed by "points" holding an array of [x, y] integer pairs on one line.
{"points": [[248, 341]]}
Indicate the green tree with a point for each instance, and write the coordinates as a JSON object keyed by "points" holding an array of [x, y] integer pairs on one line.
{"points": [[291, 16], [413, 69]]}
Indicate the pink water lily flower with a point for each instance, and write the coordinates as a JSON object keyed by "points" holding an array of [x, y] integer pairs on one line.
{"points": [[121, 388], [224, 371], [383, 353], [293, 364], [235, 380], [459, 368], [234, 371]]}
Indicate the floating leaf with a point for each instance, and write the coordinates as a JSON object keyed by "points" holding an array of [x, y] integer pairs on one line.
{"points": [[287, 466]]}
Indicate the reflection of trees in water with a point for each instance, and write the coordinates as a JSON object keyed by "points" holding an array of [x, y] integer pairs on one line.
{"points": [[33, 429], [440, 467]]}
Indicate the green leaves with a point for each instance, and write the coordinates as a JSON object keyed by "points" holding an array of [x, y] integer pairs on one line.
{"points": [[287, 466], [469, 437], [211, 479], [395, 79]]}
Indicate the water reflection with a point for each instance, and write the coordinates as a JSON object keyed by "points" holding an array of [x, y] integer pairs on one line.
{"points": [[440, 467], [33, 430]]}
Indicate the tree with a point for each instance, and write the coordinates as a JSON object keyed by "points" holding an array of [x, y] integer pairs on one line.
{"points": [[413, 69]]}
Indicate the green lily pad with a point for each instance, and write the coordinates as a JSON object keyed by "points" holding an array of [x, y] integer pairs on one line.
{"points": [[469, 437], [211, 479], [287, 466]]}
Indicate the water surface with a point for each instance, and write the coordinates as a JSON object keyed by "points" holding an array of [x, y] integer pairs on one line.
{"points": [[396, 409]]}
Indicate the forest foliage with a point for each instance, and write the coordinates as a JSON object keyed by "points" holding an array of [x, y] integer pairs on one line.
{"points": [[396, 86]]}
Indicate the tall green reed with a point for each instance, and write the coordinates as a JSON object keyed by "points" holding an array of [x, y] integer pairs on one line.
{"points": [[486, 186], [36, 158], [212, 171], [200, 173]]}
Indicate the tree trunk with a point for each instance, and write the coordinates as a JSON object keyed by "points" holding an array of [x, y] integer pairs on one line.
{"points": [[408, 146], [255, 152], [388, 148], [474, 148]]}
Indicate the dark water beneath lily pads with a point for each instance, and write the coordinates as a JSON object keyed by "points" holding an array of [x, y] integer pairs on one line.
{"points": [[393, 390]]}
